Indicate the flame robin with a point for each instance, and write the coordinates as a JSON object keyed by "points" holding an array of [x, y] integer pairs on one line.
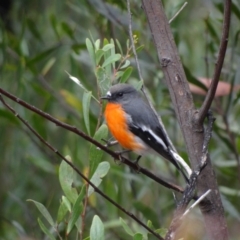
{"points": [[136, 127]]}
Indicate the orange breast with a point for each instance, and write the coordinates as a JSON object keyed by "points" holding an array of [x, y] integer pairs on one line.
{"points": [[116, 121]]}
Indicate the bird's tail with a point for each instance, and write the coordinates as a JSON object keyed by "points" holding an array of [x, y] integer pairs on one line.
{"points": [[180, 164]]}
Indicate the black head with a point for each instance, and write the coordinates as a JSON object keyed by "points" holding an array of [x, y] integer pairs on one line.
{"points": [[120, 93]]}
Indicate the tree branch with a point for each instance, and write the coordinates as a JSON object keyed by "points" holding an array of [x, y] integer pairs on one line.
{"points": [[96, 189], [189, 191], [219, 63], [192, 130], [73, 129]]}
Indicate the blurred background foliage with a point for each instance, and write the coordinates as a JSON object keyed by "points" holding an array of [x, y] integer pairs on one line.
{"points": [[42, 40]]}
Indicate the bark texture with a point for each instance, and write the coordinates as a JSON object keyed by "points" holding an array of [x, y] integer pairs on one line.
{"points": [[192, 129]]}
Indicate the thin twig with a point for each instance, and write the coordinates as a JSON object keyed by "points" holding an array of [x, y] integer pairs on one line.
{"points": [[189, 191], [93, 141], [177, 13], [96, 189], [219, 63], [196, 203]]}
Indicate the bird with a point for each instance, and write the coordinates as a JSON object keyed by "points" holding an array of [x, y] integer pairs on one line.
{"points": [[135, 125]]}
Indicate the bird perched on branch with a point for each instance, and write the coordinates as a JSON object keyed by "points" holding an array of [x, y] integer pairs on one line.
{"points": [[136, 127]]}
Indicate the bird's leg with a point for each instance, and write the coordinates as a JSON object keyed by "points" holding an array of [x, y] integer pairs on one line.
{"points": [[120, 154], [136, 163], [137, 160], [109, 142]]}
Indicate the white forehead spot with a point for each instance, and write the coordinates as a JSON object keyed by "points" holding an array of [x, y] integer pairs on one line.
{"points": [[109, 94]]}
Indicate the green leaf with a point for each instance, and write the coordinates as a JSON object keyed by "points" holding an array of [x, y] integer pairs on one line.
{"points": [[99, 54], [126, 227], [127, 73], [119, 46], [107, 47], [236, 10], [48, 66], [42, 163], [45, 230], [43, 210], [138, 85], [162, 232], [67, 203], [211, 29], [41, 56], [147, 212], [95, 154], [63, 209], [77, 210], [97, 229], [33, 28], [98, 175], [54, 22], [86, 105], [111, 59], [67, 29], [140, 48], [118, 74], [113, 52], [91, 51], [107, 54], [71, 99], [230, 208], [9, 117], [194, 80], [229, 191], [138, 236], [66, 176], [126, 64], [103, 79], [97, 44]]}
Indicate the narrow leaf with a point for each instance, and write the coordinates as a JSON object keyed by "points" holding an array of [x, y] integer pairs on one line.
{"points": [[71, 99], [86, 105], [33, 28], [77, 210], [119, 46], [107, 47], [67, 203], [43, 210], [98, 175], [91, 51], [48, 66], [113, 52], [97, 44], [97, 229], [111, 59], [126, 64], [99, 54], [138, 236], [127, 229], [45, 230], [62, 211], [127, 73], [66, 176], [67, 29], [41, 56], [95, 154]]}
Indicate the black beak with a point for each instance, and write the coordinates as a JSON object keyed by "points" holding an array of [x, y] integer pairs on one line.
{"points": [[105, 97]]}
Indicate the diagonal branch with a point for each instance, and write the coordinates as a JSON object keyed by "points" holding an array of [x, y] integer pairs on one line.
{"points": [[93, 141], [219, 63], [96, 189]]}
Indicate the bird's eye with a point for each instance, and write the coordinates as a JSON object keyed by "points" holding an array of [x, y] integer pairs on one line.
{"points": [[120, 94]]}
